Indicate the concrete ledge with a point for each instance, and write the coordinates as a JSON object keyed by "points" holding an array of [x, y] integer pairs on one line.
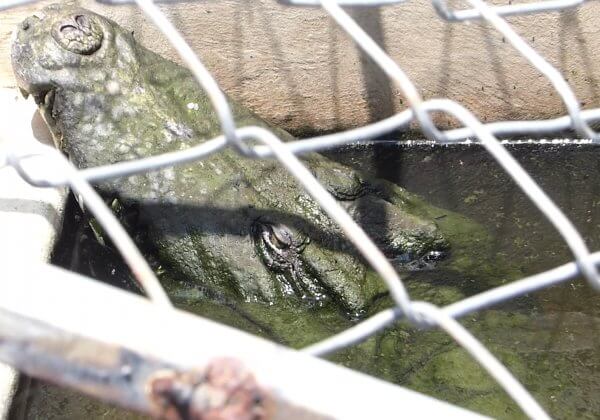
{"points": [[29, 217]]}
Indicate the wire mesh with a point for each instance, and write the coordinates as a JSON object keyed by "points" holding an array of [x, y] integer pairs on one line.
{"points": [[255, 142]]}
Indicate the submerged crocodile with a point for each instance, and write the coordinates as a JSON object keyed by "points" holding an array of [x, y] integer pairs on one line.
{"points": [[241, 227]]}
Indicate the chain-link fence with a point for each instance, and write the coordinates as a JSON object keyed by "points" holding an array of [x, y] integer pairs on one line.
{"points": [[255, 142]]}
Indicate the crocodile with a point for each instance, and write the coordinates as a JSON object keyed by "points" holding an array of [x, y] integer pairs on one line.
{"points": [[241, 228]]}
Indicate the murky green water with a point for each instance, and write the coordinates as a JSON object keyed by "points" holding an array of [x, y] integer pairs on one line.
{"points": [[548, 339]]}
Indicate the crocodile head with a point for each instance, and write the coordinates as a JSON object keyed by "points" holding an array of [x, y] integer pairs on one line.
{"points": [[238, 226]]}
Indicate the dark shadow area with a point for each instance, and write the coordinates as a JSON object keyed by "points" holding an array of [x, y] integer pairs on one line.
{"points": [[378, 89], [570, 28], [179, 220], [379, 95], [261, 15], [80, 251], [445, 60], [505, 90], [467, 180], [334, 70]]}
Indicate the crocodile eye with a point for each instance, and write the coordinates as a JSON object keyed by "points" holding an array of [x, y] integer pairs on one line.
{"points": [[280, 236], [79, 34]]}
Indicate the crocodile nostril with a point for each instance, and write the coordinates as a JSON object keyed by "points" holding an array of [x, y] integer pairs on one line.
{"points": [[66, 27], [81, 20], [79, 34]]}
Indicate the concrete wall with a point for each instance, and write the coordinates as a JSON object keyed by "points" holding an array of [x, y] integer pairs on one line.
{"points": [[294, 67], [30, 218]]}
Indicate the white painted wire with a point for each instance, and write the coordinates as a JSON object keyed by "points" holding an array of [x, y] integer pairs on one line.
{"points": [[508, 10], [420, 313], [529, 53]]}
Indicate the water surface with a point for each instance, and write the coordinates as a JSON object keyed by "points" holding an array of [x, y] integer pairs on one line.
{"points": [[548, 339]]}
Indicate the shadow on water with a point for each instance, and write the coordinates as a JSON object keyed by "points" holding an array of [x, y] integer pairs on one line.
{"points": [[550, 339], [379, 97]]}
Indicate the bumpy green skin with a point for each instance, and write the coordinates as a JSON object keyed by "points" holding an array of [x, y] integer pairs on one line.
{"points": [[108, 99]]}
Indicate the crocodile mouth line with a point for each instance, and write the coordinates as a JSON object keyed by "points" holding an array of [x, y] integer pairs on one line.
{"points": [[44, 98]]}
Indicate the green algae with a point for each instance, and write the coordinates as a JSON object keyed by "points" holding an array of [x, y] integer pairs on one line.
{"points": [[548, 340], [427, 361]]}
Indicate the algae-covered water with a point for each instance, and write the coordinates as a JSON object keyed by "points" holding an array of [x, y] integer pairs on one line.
{"points": [[548, 339]]}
